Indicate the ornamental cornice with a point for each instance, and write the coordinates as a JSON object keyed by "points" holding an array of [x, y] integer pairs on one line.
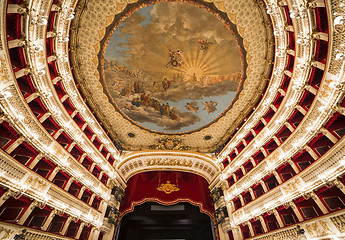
{"points": [[9, 231], [324, 227]]}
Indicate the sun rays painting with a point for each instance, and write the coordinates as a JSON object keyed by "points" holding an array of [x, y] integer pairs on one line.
{"points": [[172, 67]]}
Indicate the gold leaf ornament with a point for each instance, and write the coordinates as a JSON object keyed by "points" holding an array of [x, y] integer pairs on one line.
{"points": [[168, 187]]}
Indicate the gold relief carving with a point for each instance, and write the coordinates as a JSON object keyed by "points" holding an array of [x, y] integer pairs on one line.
{"points": [[94, 216], [40, 56], [325, 91], [292, 187], [318, 229], [27, 120], [35, 184], [3, 70], [168, 187], [237, 215], [58, 150], [169, 162], [339, 222], [325, 226], [6, 232], [169, 144]]}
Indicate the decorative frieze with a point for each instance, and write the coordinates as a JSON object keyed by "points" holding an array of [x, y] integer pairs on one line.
{"points": [[177, 161], [168, 162]]}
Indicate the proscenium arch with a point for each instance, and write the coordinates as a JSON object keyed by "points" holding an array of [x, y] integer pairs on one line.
{"points": [[142, 188], [196, 163]]}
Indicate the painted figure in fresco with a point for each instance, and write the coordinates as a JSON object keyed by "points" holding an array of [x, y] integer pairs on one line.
{"points": [[173, 115], [126, 91], [154, 86], [167, 110], [136, 87], [146, 100], [166, 84], [175, 59], [136, 102], [204, 45], [192, 106], [210, 106], [155, 104]]}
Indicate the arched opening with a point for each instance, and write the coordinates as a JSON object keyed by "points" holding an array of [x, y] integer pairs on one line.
{"points": [[166, 205]]}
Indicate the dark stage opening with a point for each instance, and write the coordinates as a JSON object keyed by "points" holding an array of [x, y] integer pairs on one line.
{"points": [[152, 221]]}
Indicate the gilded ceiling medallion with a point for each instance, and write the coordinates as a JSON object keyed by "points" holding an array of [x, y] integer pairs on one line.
{"points": [[190, 70], [172, 67]]}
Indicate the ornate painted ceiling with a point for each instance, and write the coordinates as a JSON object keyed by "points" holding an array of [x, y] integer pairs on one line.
{"points": [[171, 75], [288, 151]]}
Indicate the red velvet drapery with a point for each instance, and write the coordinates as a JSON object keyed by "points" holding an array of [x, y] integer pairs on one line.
{"points": [[143, 188]]}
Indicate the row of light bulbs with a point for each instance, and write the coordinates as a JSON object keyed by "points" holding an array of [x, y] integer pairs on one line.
{"points": [[67, 14], [324, 108], [268, 131], [72, 128], [19, 120], [72, 90], [310, 128], [20, 189], [249, 180], [260, 111], [321, 180]]}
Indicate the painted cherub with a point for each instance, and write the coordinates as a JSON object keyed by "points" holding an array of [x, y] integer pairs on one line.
{"points": [[175, 59], [204, 45], [210, 107]]}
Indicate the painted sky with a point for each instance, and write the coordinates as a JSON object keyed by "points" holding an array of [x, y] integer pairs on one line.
{"points": [[137, 65]]}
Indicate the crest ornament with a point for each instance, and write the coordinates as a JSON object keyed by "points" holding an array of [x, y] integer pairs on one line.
{"points": [[169, 144], [168, 187]]}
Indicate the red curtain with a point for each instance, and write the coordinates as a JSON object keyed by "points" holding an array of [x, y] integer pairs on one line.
{"points": [[143, 188]]}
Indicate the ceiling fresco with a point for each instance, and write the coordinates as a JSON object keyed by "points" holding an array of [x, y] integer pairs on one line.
{"points": [[172, 67], [171, 75]]}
